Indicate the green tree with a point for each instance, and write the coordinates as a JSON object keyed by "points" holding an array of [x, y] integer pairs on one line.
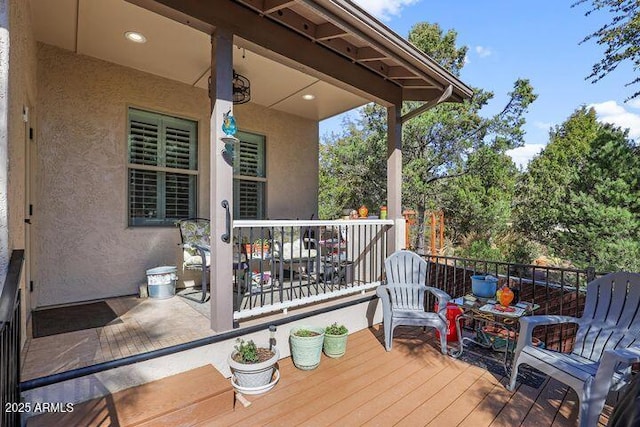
{"points": [[436, 145], [621, 37], [479, 202], [542, 192], [581, 195]]}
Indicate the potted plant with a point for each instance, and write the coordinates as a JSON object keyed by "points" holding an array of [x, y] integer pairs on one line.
{"points": [[247, 247], [335, 340], [253, 367], [306, 346], [261, 248]]}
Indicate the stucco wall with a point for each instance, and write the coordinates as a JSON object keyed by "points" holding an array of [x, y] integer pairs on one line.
{"points": [[292, 160], [4, 139], [18, 83], [85, 249]]}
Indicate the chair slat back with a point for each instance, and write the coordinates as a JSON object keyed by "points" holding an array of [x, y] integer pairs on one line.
{"points": [[406, 268], [407, 297], [611, 318]]}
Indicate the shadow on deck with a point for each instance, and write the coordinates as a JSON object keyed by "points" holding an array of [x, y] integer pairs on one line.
{"points": [[411, 385]]}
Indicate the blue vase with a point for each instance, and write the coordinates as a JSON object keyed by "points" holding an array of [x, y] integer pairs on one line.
{"points": [[229, 124]]}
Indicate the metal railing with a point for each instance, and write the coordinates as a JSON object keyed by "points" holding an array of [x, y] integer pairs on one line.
{"points": [[558, 291], [284, 264], [10, 341]]}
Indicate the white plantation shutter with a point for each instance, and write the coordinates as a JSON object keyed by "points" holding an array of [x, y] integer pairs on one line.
{"points": [[162, 168], [249, 177]]}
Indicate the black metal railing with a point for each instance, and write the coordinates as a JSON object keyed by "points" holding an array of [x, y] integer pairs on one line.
{"points": [[558, 291], [10, 342], [282, 264]]}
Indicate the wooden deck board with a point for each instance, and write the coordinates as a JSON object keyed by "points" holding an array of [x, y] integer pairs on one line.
{"points": [[411, 385]]}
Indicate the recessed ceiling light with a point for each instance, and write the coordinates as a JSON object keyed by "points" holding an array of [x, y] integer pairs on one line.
{"points": [[308, 97], [135, 37]]}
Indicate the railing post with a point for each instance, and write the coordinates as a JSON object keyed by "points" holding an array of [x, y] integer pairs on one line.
{"points": [[591, 274]]}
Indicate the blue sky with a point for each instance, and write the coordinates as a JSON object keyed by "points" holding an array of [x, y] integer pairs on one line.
{"points": [[510, 39]]}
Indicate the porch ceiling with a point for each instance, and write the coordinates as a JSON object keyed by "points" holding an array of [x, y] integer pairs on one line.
{"points": [[333, 40], [180, 52], [328, 48]]}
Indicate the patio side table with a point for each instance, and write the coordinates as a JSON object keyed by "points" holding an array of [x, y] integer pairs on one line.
{"points": [[494, 328]]}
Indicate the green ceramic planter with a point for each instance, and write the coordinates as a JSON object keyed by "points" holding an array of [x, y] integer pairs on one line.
{"points": [[306, 351], [335, 345]]}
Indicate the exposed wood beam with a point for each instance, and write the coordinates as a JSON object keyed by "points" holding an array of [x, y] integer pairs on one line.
{"points": [[295, 21], [367, 53], [419, 94], [417, 83], [379, 67], [343, 47], [427, 105], [270, 6], [314, 59], [328, 31], [400, 73]]}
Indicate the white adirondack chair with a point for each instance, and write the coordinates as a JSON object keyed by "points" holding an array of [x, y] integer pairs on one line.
{"points": [[607, 343], [403, 297]]}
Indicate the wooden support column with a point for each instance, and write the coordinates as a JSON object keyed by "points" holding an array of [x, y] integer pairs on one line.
{"points": [[394, 177], [221, 181]]}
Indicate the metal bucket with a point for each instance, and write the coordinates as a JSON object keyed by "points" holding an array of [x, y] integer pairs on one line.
{"points": [[161, 282]]}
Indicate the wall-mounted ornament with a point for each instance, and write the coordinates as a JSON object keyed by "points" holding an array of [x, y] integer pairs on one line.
{"points": [[230, 141], [241, 89]]}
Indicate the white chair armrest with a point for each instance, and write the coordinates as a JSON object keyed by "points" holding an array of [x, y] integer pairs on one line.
{"points": [[443, 299], [546, 320], [529, 323], [383, 294], [623, 355], [608, 365]]}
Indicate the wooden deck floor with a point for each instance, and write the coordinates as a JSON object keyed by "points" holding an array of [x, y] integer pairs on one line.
{"points": [[413, 385]]}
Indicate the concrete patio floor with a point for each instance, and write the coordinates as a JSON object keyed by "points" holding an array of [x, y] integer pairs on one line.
{"points": [[142, 325]]}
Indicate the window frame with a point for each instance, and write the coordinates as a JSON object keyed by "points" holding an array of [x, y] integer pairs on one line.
{"points": [[162, 121], [261, 140]]}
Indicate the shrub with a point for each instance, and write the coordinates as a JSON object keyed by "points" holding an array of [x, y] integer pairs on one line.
{"points": [[247, 352], [335, 329]]}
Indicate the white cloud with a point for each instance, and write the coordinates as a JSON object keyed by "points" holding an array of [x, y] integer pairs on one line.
{"points": [[522, 155], [543, 125], [611, 112], [385, 9], [483, 51], [635, 103]]}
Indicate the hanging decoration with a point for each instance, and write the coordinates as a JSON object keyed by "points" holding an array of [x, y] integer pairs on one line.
{"points": [[241, 89]]}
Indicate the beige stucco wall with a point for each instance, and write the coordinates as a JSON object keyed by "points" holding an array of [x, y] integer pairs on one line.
{"points": [[292, 160], [21, 92], [85, 250]]}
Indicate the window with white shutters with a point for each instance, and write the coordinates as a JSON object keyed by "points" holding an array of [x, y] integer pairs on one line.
{"points": [[162, 167], [249, 177]]}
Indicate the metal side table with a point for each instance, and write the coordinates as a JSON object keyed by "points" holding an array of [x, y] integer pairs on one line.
{"points": [[495, 327]]}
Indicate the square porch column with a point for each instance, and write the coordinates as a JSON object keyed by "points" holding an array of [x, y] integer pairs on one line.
{"points": [[221, 177], [394, 177]]}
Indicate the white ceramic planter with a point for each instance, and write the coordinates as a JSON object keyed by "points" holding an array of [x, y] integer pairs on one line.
{"points": [[253, 375]]}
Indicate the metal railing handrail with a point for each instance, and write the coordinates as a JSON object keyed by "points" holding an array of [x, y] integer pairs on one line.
{"points": [[11, 287], [10, 340], [515, 264], [243, 223]]}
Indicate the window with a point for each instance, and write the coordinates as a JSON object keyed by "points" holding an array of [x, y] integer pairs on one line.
{"points": [[162, 168], [249, 177]]}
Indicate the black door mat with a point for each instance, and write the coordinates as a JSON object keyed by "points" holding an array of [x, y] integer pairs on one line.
{"points": [[61, 320]]}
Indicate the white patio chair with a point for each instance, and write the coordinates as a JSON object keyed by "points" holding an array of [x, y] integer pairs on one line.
{"points": [[607, 343], [403, 297]]}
